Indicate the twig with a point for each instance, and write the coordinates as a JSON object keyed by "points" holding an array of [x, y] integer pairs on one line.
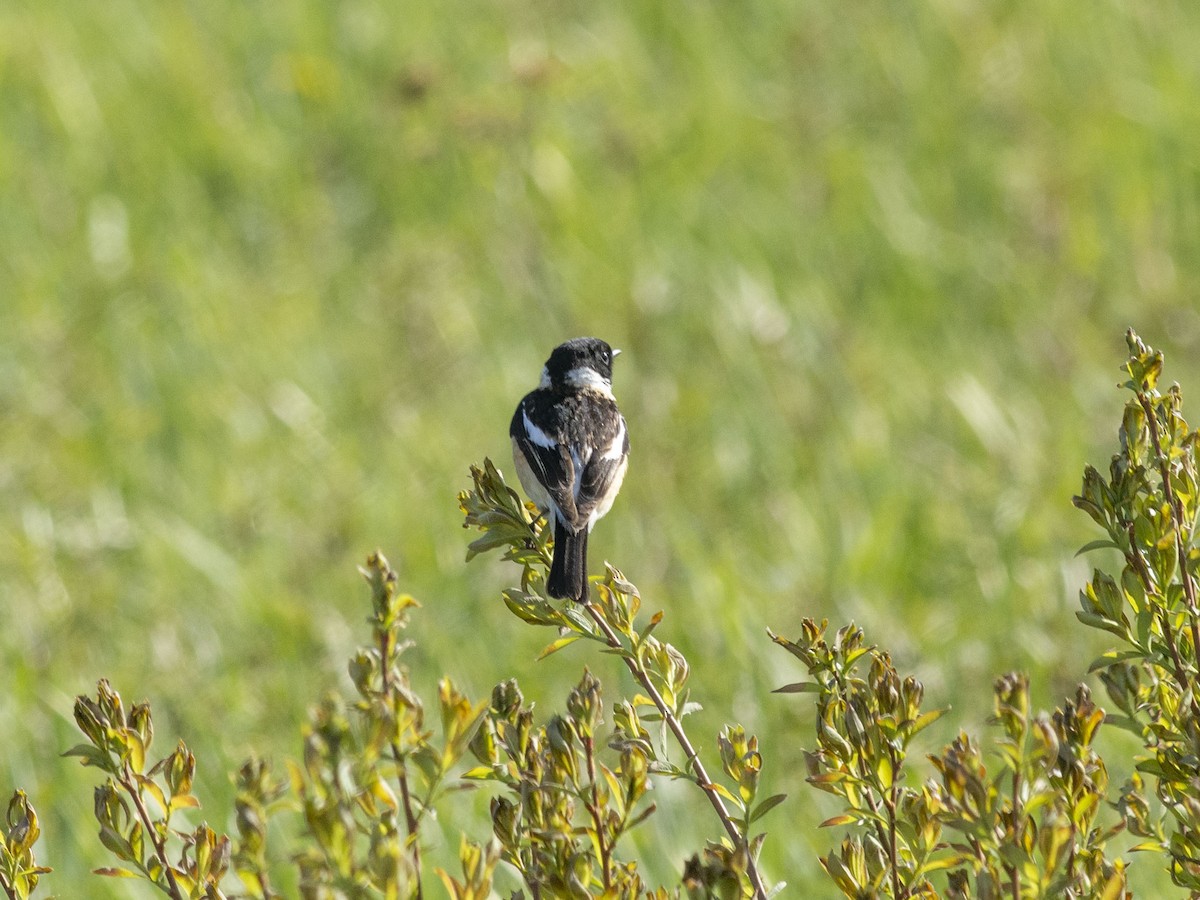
{"points": [[410, 820], [594, 809], [883, 837], [706, 784], [1164, 615], [891, 811], [1017, 810], [880, 834], [1189, 586], [160, 846]]}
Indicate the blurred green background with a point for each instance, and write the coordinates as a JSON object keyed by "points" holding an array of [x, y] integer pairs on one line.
{"points": [[272, 275]]}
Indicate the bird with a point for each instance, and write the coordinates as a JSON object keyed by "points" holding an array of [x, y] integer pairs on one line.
{"points": [[571, 450]]}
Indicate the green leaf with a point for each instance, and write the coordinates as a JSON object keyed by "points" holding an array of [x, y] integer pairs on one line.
{"points": [[843, 819], [115, 842], [946, 862], [150, 786], [135, 749], [115, 872], [1153, 767], [1104, 660], [137, 843], [576, 619], [854, 655], [529, 607], [827, 778], [1145, 621], [1100, 544], [90, 756], [555, 646], [1114, 888], [479, 773], [924, 720], [654, 621], [766, 806], [488, 541], [668, 768], [799, 687], [884, 771], [1096, 621], [724, 792], [184, 801]]}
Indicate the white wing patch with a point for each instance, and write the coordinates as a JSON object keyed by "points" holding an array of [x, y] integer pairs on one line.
{"points": [[618, 445], [535, 434]]}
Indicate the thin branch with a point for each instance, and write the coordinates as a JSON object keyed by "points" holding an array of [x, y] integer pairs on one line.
{"points": [[160, 844], [594, 809], [883, 837], [880, 834], [889, 804], [1189, 586], [1018, 807], [410, 820], [892, 801], [1164, 616], [706, 784], [1014, 872]]}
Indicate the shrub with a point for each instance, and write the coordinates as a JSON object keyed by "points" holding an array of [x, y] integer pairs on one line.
{"points": [[1027, 814]]}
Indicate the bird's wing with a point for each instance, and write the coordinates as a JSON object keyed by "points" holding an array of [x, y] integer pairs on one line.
{"points": [[550, 462], [602, 475]]}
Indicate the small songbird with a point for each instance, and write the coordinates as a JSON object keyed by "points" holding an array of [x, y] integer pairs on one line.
{"points": [[571, 448]]}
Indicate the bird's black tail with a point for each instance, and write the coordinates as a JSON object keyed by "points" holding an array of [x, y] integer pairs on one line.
{"points": [[568, 572]]}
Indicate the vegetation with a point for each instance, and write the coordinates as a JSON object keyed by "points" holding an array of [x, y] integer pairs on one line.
{"points": [[568, 791], [272, 278]]}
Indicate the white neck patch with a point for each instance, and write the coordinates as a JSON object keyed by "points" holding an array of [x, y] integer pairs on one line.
{"points": [[587, 378]]}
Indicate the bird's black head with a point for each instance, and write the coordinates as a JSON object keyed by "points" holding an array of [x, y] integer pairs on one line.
{"points": [[580, 363]]}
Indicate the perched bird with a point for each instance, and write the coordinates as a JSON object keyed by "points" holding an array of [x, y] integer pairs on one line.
{"points": [[571, 448]]}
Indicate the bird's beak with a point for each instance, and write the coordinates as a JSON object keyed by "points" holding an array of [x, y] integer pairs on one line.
{"points": [[616, 353]]}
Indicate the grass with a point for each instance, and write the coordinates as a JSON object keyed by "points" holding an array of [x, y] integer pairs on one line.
{"points": [[273, 276]]}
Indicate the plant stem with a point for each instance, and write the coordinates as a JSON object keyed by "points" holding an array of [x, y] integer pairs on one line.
{"points": [[1189, 589], [1189, 585], [160, 846], [1164, 616], [410, 820], [1018, 808], [880, 834], [706, 784], [889, 805], [891, 811], [594, 809]]}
